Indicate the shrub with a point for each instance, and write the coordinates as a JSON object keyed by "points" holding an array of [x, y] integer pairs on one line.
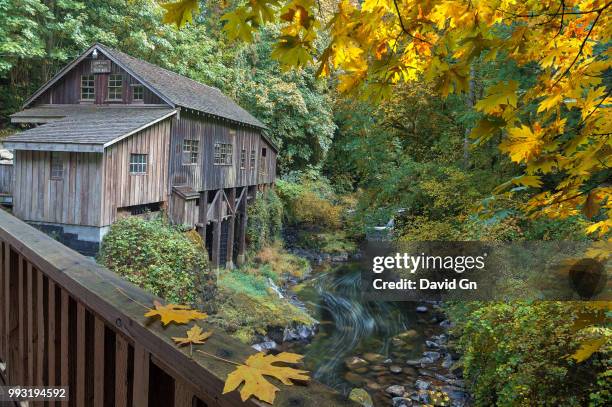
{"points": [[516, 354], [159, 258], [309, 200]]}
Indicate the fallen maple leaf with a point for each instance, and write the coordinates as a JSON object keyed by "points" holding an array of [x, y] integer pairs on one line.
{"points": [[253, 371], [179, 314], [195, 336]]}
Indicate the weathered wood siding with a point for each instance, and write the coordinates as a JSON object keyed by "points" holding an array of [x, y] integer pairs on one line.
{"points": [[75, 199], [122, 189], [183, 211], [6, 179], [205, 175], [68, 89], [267, 165]]}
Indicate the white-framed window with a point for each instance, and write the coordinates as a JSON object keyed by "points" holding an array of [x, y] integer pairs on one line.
{"points": [[191, 149], [57, 165], [137, 93], [243, 158], [88, 88], [115, 87], [252, 161], [138, 164], [223, 154]]}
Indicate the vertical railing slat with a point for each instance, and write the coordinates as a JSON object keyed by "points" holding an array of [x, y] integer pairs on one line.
{"points": [[51, 336], [80, 356], [141, 376], [99, 366], [65, 339], [121, 370], [16, 364], [30, 327], [183, 396], [40, 328]]}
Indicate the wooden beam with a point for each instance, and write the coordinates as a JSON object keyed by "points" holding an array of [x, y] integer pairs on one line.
{"points": [[216, 243], [33, 146], [229, 262], [121, 371], [242, 225], [203, 215], [99, 366], [141, 376]]}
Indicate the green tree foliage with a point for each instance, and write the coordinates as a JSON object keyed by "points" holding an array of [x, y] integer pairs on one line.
{"points": [[159, 258], [264, 220]]}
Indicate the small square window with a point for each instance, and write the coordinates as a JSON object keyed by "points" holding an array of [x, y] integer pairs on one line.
{"points": [[137, 93], [57, 165], [87, 87], [223, 154], [115, 87], [138, 164], [191, 149]]}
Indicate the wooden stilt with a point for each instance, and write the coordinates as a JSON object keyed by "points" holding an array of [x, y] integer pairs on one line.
{"points": [[216, 243], [242, 227], [231, 196], [203, 215]]}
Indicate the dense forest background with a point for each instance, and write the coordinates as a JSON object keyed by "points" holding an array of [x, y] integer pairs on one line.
{"points": [[409, 157]]}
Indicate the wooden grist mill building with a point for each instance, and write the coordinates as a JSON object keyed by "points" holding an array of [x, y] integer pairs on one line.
{"points": [[111, 135]]}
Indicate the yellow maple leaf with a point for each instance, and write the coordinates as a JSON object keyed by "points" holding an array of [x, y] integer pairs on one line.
{"points": [[522, 144], [237, 25], [195, 336], [550, 102], [601, 250], [501, 94], [603, 227], [528, 181], [179, 314], [256, 367], [587, 348], [181, 12], [292, 51]]}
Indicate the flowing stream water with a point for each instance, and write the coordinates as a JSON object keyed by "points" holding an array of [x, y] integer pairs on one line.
{"points": [[351, 326]]}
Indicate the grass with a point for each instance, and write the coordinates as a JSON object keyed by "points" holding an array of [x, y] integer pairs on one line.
{"points": [[247, 307]]}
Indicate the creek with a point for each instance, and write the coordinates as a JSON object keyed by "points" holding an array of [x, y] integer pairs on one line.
{"points": [[352, 331]]}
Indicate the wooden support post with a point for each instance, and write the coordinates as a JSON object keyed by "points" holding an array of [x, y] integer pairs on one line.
{"points": [[242, 227], [216, 244], [229, 263], [202, 215]]}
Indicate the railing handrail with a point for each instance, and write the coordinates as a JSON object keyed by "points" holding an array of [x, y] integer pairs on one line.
{"points": [[119, 304]]}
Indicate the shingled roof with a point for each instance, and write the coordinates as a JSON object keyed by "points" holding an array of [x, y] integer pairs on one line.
{"points": [[84, 128], [176, 89]]}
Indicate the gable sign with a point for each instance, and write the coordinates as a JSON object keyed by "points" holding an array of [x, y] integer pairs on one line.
{"points": [[101, 66]]}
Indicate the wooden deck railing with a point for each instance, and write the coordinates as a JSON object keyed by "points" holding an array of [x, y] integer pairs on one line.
{"points": [[63, 322]]}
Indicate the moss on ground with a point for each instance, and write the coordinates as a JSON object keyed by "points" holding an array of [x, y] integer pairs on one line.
{"points": [[247, 306]]}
